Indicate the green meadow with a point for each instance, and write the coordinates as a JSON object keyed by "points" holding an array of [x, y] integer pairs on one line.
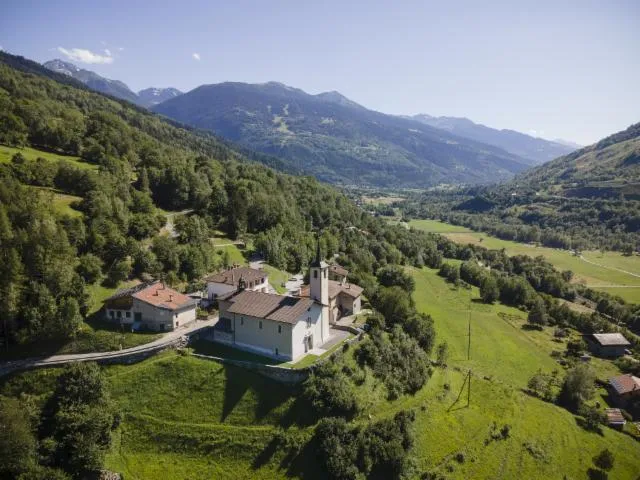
{"points": [[614, 272], [189, 418], [6, 153]]}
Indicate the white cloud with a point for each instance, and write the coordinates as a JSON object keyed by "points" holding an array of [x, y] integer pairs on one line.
{"points": [[107, 52], [196, 56], [86, 56], [120, 49]]}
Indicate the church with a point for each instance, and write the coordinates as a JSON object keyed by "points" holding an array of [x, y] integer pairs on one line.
{"points": [[277, 326]]}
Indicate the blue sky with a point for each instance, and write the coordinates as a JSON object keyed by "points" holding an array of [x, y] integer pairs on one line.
{"points": [[556, 69]]}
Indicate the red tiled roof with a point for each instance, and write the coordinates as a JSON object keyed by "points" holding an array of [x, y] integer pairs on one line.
{"points": [[232, 276], [278, 308], [161, 296], [625, 383], [156, 294]]}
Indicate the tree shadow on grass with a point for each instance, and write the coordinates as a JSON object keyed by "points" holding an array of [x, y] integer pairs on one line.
{"points": [[298, 414], [583, 424], [266, 454], [236, 385], [528, 326]]}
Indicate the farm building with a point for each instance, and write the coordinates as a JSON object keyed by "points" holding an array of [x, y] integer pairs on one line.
{"points": [[150, 306], [607, 344], [227, 281], [624, 388]]}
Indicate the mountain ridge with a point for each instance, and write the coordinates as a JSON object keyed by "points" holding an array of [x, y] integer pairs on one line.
{"points": [[336, 139], [145, 98], [535, 149]]}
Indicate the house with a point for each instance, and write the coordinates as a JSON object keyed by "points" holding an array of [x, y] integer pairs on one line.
{"points": [[624, 388], [278, 326], [227, 281], [344, 298], [150, 306], [337, 272], [607, 344]]}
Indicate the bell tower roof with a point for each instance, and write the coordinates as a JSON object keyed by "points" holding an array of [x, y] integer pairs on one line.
{"points": [[318, 262]]}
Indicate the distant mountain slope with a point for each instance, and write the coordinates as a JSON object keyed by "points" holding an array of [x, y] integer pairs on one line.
{"points": [[337, 140], [153, 96], [145, 98], [537, 150], [609, 167]]}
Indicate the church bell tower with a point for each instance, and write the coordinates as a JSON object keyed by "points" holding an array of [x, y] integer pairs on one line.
{"points": [[319, 279]]}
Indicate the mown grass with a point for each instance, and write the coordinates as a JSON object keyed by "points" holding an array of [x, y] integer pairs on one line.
{"points": [[276, 278], [6, 153], [594, 276]]}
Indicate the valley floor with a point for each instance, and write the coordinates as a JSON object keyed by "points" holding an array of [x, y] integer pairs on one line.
{"points": [[606, 271]]}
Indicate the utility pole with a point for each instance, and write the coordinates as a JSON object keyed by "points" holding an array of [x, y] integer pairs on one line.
{"points": [[469, 390]]}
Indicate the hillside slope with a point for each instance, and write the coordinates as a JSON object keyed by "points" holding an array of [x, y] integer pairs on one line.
{"points": [[337, 140], [536, 150], [605, 169]]}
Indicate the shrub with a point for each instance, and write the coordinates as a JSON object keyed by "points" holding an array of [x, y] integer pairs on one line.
{"points": [[604, 459], [330, 393]]}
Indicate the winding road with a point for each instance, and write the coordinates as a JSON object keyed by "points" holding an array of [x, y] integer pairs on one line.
{"points": [[166, 340]]}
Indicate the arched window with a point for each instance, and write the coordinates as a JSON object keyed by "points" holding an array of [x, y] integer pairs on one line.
{"points": [[315, 274]]}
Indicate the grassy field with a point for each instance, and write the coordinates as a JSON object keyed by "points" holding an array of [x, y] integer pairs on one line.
{"points": [[187, 418], [6, 153], [606, 278], [61, 201], [276, 278], [546, 441]]}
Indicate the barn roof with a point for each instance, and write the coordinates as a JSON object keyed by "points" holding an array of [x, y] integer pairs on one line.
{"points": [[611, 339]]}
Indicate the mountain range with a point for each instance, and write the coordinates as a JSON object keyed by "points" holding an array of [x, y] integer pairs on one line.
{"points": [[145, 98], [336, 139], [538, 150]]}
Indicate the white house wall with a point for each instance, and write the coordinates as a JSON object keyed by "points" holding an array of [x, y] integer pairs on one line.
{"points": [[265, 340], [154, 318], [214, 289]]}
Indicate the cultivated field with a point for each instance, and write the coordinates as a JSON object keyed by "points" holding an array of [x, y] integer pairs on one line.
{"points": [[610, 275]]}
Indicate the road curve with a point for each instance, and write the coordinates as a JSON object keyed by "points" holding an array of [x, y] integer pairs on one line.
{"points": [[54, 360]]}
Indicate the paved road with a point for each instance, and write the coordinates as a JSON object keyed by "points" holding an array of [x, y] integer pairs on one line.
{"points": [[166, 340]]}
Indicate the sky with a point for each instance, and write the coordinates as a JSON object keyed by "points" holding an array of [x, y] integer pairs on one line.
{"points": [[554, 69]]}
